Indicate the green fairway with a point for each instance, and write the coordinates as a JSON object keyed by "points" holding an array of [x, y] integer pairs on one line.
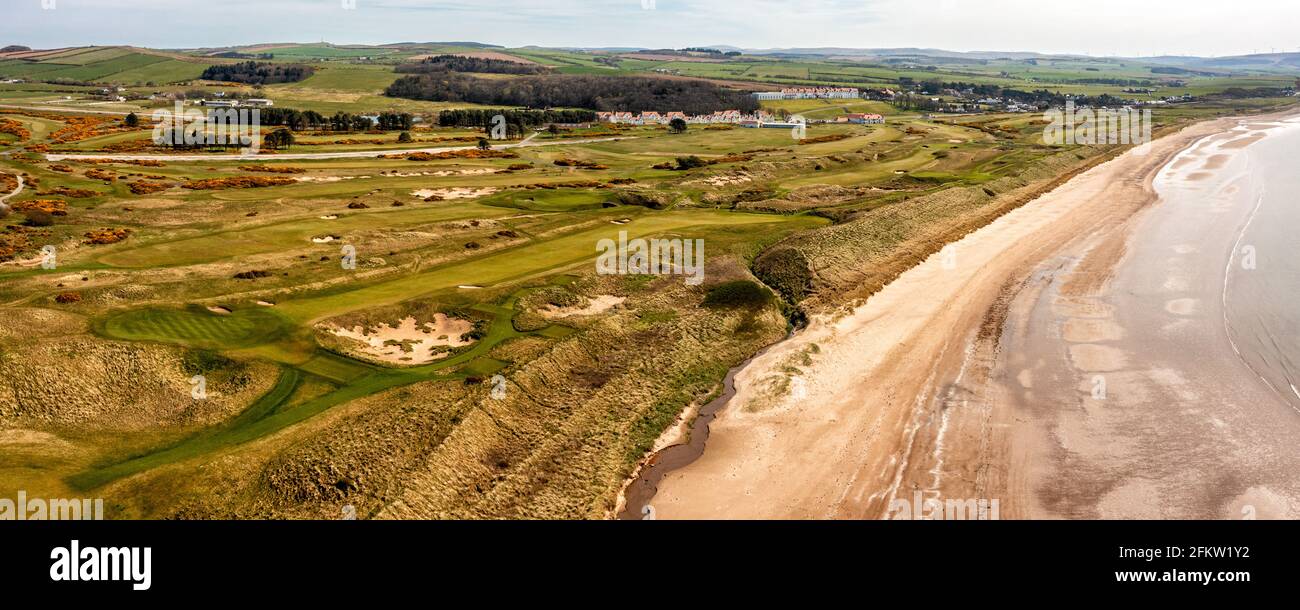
{"points": [[286, 235], [523, 261]]}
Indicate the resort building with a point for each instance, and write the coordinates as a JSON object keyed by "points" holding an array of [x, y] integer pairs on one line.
{"points": [[810, 93]]}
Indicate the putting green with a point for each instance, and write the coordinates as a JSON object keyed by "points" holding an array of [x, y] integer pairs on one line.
{"points": [[197, 327]]}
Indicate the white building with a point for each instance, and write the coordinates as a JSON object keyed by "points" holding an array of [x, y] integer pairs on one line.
{"points": [[810, 93]]}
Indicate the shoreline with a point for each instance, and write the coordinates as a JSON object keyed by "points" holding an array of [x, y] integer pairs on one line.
{"points": [[848, 449]]}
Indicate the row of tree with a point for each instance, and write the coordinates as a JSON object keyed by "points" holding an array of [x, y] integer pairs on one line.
{"points": [[456, 63], [621, 93], [340, 121], [194, 138], [477, 117], [258, 73]]}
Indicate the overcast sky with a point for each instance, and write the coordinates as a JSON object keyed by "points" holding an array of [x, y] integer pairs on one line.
{"points": [[1095, 27]]}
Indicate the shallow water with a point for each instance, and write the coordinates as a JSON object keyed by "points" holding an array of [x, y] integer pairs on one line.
{"points": [[1262, 297]]}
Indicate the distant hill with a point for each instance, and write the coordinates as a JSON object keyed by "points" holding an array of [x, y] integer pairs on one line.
{"points": [[118, 65], [1263, 62]]}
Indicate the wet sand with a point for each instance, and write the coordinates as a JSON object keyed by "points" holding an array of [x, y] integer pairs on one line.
{"points": [[975, 379], [1154, 415]]}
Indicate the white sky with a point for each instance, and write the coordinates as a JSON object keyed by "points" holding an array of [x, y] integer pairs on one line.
{"points": [[1095, 27]]}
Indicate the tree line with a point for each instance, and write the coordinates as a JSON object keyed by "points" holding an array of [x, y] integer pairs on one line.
{"points": [[257, 73], [476, 117], [456, 63], [609, 93], [299, 120]]}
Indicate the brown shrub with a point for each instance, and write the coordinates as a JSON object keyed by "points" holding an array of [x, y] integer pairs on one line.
{"points": [[101, 174], [53, 207], [241, 182], [144, 187], [99, 237]]}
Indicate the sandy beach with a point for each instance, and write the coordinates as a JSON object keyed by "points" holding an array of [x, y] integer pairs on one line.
{"points": [[950, 381]]}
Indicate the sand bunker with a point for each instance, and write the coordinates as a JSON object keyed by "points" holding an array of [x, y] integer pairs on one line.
{"points": [[409, 342], [446, 172], [724, 180], [455, 193], [323, 178], [222, 311], [325, 239], [596, 306]]}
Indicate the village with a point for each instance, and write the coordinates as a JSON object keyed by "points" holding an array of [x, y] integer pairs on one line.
{"points": [[758, 119]]}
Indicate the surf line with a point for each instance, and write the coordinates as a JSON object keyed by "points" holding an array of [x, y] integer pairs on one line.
{"points": [[1227, 326]]}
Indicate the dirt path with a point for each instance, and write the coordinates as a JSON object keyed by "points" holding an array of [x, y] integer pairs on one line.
{"points": [[65, 109], [15, 192], [888, 402]]}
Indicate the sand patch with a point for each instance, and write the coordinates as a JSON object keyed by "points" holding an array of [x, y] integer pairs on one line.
{"points": [[445, 172], [1134, 499], [1260, 503], [330, 217], [266, 304], [1216, 162], [724, 180], [1074, 307], [1243, 142], [409, 342], [1086, 330], [325, 239], [594, 307], [1182, 307], [221, 311], [455, 192], [1097, 358], [323, 178]]}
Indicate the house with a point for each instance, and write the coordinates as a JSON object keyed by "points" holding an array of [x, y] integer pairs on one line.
{"points": [[861, 119], [218, 103], [259, 102], [809, 93]]}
